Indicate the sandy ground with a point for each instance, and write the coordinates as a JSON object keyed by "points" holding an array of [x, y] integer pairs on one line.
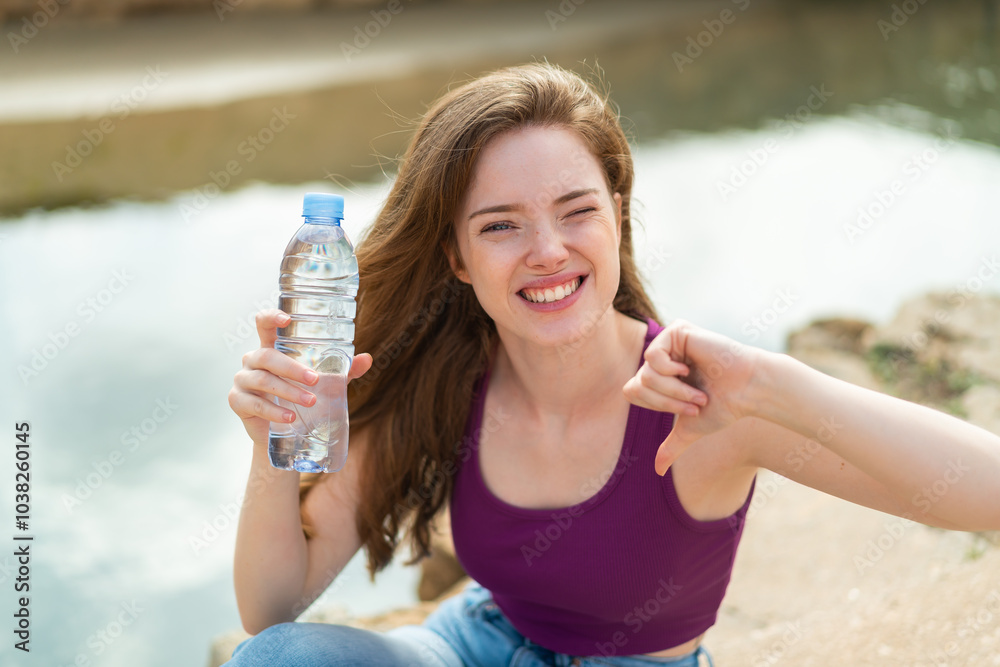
{"points": [[820, 581]]}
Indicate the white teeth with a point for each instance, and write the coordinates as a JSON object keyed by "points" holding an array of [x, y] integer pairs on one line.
{"points": [[552, 294]]}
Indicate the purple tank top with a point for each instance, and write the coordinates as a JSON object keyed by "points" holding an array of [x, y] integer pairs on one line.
{"points": [[625, 572]]}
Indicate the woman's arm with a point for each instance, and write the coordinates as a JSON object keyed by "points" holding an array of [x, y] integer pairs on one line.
{"points": [[931, 462], [270, 562], [852, 442], [278, 572]]}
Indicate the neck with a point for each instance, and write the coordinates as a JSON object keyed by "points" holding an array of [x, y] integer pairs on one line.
{"points": [[553, 386]]}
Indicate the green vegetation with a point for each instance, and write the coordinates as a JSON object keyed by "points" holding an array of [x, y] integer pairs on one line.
{"points": [[933, 381]]}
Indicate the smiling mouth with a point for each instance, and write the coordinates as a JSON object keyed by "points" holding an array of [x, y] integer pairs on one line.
{"points": [[551, 294]]}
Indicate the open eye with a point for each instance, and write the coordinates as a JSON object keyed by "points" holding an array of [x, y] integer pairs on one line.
{"points": [[496, 226]]}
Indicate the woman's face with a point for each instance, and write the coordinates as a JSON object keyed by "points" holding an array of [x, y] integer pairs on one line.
{"points": [[538, 232]]}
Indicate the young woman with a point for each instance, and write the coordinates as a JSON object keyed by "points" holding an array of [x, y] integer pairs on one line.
{"points": [[598, 467]]}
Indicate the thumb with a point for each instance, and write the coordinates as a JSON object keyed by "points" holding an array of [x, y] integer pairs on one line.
{"points": [[670, 449], [362, 364]]}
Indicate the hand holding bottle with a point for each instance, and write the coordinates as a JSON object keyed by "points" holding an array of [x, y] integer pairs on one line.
{"points": [[267, 373]]}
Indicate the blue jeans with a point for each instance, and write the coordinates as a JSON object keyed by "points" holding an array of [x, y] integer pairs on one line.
{"points": [[466, 630]]}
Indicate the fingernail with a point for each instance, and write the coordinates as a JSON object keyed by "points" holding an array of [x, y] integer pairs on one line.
{"points": [[691, 410], [289, 416], [311, 376]]}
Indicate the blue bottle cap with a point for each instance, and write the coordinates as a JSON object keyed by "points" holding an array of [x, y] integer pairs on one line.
{"points": [[322, 205]]}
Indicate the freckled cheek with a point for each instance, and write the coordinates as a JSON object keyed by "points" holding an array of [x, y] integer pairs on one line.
{"points": [[493, 270], [599, 243]]}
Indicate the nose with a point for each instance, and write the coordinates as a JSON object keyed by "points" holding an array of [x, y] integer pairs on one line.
{"points": [[547, 247]]}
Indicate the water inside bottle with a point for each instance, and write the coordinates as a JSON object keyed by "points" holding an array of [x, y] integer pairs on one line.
{"points": [[318, 438], [318, 281]]}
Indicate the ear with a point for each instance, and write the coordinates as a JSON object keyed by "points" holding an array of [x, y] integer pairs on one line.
{"points": [[455, 263], [618, 214]]}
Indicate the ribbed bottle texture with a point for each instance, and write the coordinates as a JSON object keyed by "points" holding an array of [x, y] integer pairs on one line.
{"points": [[318, 283]]}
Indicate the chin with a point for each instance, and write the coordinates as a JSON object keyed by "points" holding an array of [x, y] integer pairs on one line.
{"points": [[568, 329]]}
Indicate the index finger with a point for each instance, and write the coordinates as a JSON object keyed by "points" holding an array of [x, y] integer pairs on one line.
{"points": [[660, 361], [268, 322]]}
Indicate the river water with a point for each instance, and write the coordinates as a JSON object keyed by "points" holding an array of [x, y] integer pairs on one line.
{"points": [[125, 323]]}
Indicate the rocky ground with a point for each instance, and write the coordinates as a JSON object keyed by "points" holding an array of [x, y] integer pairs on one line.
{"points": [[819, 581]]}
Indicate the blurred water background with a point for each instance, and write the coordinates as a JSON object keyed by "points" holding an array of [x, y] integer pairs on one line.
{"points": [[794, 160]]}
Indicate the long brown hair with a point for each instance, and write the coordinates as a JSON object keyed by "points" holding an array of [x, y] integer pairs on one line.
{"points": [[429, 337]]}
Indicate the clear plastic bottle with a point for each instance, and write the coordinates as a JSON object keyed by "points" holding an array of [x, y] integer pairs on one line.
{"points": [[319, 283]]}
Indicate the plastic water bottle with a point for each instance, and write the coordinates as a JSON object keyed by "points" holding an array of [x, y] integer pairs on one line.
{"points": [[318, 282]]}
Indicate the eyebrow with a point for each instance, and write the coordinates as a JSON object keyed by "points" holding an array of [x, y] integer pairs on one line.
{"points": [[507, 208]]}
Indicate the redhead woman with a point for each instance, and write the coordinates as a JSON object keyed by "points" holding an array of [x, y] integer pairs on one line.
{"points": [[594, 461]]}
